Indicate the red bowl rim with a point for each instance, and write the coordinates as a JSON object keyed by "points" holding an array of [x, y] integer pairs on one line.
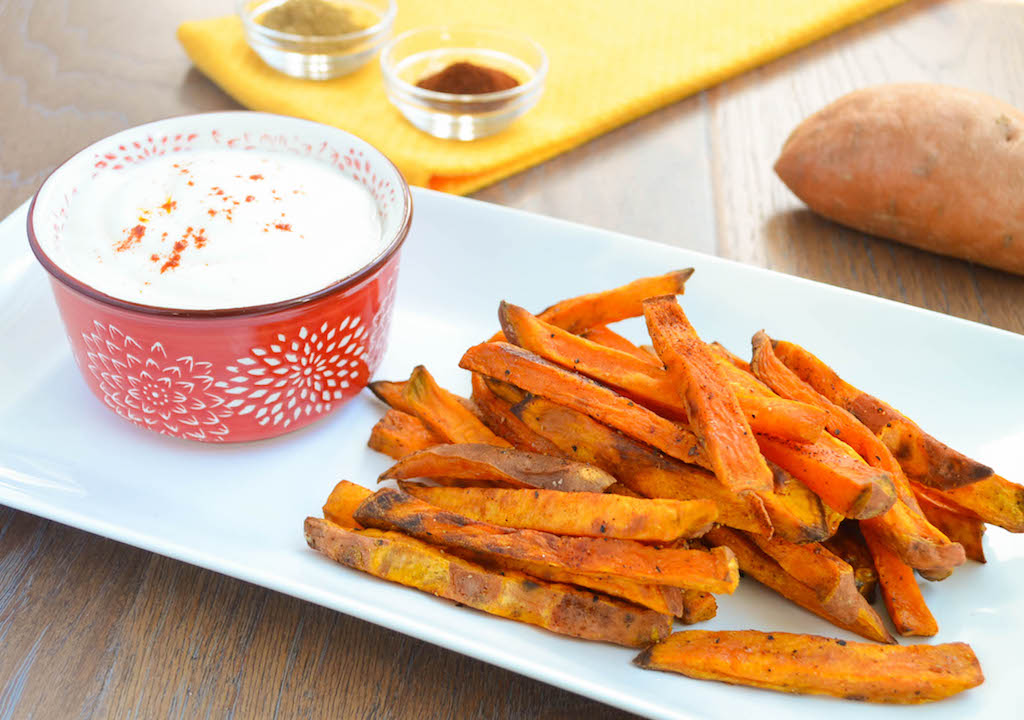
{"points": [[345, 283]]}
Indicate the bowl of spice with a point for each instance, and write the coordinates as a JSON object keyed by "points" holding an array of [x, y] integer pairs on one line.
{"points": [[317, 39], [463, 83]]}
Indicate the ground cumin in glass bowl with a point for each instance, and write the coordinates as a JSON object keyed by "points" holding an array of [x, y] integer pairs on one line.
{"points": [[460, 59], [317, 39]]}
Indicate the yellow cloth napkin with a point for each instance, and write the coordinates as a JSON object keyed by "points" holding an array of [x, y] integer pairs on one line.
{"points": [[610, 62]]}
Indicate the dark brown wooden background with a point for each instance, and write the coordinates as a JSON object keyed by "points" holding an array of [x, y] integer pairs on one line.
{"points": [[90, 628]]}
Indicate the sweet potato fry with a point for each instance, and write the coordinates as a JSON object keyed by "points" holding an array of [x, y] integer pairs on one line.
{"points": [[391, 393], [444, 412], [720, 352], [496, 412], [537, 376], [797, 514], [639, 467], [903, 527], [580, 514], [698, 606], [957, 526], [923, 458], [714, 412], [390, 509], [586, 311], [618, 488], [814, 665], [648, 383], [516, 468], [660, 598], [602, 335], [848, 544], [769, 573], [995, 500], [398, 434], [846, 484], [343, 501], [555, 607], [815, 566], [900, 590]]}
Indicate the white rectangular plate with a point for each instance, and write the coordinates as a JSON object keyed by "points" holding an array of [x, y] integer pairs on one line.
{"points": [[239, 509]]}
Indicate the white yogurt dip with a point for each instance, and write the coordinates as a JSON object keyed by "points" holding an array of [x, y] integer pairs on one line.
{"points": [[217, 229]]}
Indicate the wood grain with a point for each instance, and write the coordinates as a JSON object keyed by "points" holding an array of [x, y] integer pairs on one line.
{"points": [[92, 628]]}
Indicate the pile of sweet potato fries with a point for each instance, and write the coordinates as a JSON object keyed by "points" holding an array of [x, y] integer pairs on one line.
{"points": [[601, 489]]}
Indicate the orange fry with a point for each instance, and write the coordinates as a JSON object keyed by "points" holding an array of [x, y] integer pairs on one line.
{"points": [[711, 405], [900, 590], [523, 369], [957, 526], [496, 412], [398, 434], [995, 500], [602, 335], [648, 382]]}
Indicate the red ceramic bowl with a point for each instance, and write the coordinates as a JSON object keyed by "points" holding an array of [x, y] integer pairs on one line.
{"points": [[238, 374]]}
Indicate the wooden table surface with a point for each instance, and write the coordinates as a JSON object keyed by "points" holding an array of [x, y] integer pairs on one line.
{"points": [[93, 628]]}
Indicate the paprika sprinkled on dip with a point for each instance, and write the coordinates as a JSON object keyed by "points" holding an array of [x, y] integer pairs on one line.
{"points": [[219, 229]]}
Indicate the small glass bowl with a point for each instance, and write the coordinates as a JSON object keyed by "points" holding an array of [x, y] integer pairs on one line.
{"points": [[418, 53], [318, 57]]}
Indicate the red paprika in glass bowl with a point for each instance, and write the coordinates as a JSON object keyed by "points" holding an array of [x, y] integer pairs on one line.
{"points": [[229, 372]]}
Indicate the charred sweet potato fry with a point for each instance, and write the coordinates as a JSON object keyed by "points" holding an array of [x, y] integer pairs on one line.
{"points": [[815, 566], [900, 590], [602, 335], [923, 458], [555, 607], [535, 375], [516, 468], [602, 308], [343, 501], [496, 412], [957, 526], [848, 544], [846, 484], [712, 407], [649, 383], [391, 393], [903, 527], [640, 467], [580, 514], [444, 412], [398, 434], [995, 500], [662, 599], [769, 573], [390, 509], [814, 665]]}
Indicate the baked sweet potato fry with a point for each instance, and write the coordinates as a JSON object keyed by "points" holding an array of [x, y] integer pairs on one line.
{"points": [[660, 598], [390, 509], [848, 544], [516, 468], [769, 573], [398, 434], [844, 483], [444, 412], [720, 352], [343, 501], [903, 527], [496, 412], [602, 308], [618, 488], [797, 514], [957, 526], [714, 412], [640, 467], [900, 590], [535, 375], [815, 566], [698, 606], [602, 335], [391, 394], [995, 500], [923, 458], [814, 665], [648, 382], [579, 514], [555, 607]]}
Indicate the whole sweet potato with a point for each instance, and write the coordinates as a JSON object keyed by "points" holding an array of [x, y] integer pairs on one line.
{"points": [[936, 167]]}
